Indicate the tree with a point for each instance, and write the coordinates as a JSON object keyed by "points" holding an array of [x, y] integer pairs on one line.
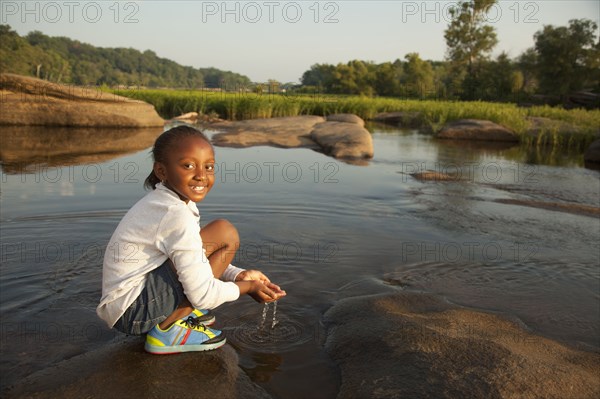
{"points": [[355, 77], [319, 75], [469, 42], [387, 79], [418, 76], [567, 57], [527, 65]]}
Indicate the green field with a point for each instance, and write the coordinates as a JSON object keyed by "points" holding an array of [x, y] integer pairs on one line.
{"points": [[570, 128]]}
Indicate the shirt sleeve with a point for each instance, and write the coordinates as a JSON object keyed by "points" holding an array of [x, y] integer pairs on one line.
{"points": [[179, 238], [231, 273]]}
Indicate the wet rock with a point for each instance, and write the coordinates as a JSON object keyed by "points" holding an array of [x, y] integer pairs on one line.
{"points": [[474, 129], [286, 132], [343, 140], [591, 156], [338, 139], [197, 119], [189, 116], [124, 370], [409, 345], [431, 175], [348, 118], [31, 101]]}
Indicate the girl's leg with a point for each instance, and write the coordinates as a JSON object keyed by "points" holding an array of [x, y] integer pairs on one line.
{"points": [[221, 241], [184, 309]]}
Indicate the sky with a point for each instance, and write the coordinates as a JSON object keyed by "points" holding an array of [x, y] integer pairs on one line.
{"points": [[282, 39]]}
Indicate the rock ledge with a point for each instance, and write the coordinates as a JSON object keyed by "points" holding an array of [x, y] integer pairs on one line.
{"points": [[30, 101]]}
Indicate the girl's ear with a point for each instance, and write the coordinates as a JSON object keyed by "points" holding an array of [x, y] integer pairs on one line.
{"points": [[160, 171]]}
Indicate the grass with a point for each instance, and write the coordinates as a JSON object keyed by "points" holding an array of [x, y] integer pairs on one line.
{"points": [[582, 124]]}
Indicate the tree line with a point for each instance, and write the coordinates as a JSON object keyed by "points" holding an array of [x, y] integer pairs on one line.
{"points": [[563, 60], [63, 60]]}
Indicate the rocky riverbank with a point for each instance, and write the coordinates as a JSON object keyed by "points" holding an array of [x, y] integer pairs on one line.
{"points": [[30, 101]]}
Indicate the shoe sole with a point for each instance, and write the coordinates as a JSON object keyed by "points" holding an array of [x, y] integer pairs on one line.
{"points": [[171, 350]]}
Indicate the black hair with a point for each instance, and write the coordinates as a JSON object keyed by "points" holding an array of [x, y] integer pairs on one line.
{"points": [[162, 144]]}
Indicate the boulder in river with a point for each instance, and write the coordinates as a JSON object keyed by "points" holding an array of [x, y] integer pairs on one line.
{"points": [[474, 129], [348, 141], [348, 118], [284, 132], [343, 140], [30, 101], [412, 345]]}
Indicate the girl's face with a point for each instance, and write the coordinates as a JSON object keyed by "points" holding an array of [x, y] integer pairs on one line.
{"points": [[189, 169]]}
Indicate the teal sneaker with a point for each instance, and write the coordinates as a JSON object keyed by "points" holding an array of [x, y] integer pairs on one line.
{"points": [[185, 335], [204, 316]]}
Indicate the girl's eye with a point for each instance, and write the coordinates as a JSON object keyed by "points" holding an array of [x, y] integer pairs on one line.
{"points": [[188, 165], [210, 167]]}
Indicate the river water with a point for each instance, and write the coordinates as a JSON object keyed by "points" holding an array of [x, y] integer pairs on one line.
{"points": [[314, 225]]}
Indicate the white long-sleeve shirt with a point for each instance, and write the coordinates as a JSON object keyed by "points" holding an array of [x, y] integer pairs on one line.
{"points": [[158, 227]]}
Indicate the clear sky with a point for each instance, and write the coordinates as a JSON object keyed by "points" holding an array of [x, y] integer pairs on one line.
{"points": [[282, 39]]}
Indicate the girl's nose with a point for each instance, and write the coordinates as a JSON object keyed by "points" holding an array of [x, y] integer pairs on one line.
{"points": [[200, 174]]}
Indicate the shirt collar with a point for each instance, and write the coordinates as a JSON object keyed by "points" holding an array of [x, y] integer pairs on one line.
{"points": [[191, 204]]}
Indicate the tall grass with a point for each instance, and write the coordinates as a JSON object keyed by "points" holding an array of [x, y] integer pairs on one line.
{"points": [[433, 113]]}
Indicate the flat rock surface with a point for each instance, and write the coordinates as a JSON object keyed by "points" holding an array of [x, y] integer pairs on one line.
{"points": [[285, 132], [31, 101], [340, 139], [474, 129], [124, 370], [410, 345]]}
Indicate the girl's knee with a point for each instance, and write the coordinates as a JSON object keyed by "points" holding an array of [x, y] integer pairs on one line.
{"points": [[226, 230]]}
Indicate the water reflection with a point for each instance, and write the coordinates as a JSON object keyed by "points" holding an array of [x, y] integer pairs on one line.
{"points": [[26, 148], [477, 150]]}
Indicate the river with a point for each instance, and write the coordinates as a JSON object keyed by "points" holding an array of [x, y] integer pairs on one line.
{"points": [[316, 226]]}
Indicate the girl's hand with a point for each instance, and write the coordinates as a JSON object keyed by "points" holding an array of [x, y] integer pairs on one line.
{"points": [[248, 275], [260, 291]]}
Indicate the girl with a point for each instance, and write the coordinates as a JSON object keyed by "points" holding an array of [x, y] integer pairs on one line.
{"points": [[160, 269]]}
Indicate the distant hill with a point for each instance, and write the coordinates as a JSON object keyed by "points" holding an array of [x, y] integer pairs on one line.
{"points": [[64, 60]]}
